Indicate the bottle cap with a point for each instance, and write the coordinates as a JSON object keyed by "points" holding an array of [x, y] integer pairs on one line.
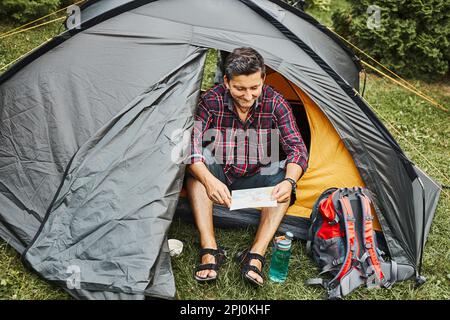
{"points": [[289, 235], [284, 244]]}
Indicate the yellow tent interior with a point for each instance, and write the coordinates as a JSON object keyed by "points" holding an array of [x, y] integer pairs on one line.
{"points": [[330, 164]]}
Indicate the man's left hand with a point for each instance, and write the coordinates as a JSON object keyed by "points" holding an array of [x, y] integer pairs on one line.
{"points": [[282, 191]]}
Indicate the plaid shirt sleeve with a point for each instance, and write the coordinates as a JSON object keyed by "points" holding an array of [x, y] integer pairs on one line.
{"points": [[291, 139], [202, 122]]}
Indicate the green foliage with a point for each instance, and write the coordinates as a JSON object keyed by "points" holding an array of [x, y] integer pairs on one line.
{"points": [[23, 11], [320, 5], [210, 69], [411, 38]]}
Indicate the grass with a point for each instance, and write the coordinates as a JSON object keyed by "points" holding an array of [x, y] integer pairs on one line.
{"points": [[12, 47], [420, 129], [17, 283]]}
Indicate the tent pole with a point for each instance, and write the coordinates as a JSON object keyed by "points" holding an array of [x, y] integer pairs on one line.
{"points": [[364, 84], [419, 278]]}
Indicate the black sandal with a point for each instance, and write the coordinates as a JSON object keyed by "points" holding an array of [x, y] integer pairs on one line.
{"points": [[244, 259], [220, 257]]}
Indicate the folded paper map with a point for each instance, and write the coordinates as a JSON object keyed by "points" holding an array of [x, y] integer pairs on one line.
{"points": [[252, 198]]}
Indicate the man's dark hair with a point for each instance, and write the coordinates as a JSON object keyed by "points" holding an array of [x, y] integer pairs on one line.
{"points": [[244, 61]]}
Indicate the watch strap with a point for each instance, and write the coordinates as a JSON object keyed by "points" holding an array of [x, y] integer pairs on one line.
{"points": [[292, 182]]}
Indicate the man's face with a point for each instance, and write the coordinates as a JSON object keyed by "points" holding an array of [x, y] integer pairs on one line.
{"points": [[245, 89]]}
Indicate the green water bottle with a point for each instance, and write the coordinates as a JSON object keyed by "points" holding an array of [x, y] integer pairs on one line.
{"points": [[279, 263]]}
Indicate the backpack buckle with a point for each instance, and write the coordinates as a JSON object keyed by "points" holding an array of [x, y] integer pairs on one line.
{"points": [[387, 284], [380, 252], [331, 284], [356, 263]]}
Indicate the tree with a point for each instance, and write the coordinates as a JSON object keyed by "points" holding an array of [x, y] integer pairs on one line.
{"points": [[411, 37]]}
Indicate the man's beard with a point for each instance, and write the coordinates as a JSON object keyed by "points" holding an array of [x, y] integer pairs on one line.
{"points": [[244, 105]]}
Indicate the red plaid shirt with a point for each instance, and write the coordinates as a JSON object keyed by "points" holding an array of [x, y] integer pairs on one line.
{"points": [[243, 150]]}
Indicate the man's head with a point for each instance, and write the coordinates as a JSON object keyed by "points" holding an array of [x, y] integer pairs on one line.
{"points": [[244, 76]]}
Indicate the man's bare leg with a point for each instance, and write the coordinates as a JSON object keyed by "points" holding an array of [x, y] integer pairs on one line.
{"points": [[268, 225], [202, 208]]}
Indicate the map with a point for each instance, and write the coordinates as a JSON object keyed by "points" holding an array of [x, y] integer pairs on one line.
{"points": [[252, 198]]}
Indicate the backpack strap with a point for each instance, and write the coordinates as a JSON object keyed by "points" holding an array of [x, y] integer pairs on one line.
{"points": [[352, 245], [317, 282], [371, 255], [386, 272], [348, 277]]}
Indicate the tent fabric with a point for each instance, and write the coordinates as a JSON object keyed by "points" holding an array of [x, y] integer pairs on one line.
{"points": [[77, 113], [91, 226], [52, 106], [333, 52]]}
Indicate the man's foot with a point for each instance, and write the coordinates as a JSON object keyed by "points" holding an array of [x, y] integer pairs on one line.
{"points": [[207, 259], [254, 275], [210, 262], [251, 264]]}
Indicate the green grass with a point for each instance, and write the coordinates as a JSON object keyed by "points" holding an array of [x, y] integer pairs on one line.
{"points": [[420, 129], [12, 47], [17, 283]]}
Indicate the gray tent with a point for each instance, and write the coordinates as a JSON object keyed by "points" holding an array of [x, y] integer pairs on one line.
{"points": [[86, 136]]}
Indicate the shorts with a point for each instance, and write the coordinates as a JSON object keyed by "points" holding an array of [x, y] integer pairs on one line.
{"points": [[267, 177]]}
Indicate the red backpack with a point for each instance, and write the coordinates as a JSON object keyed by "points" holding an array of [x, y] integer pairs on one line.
{"points": [[342, 241]]}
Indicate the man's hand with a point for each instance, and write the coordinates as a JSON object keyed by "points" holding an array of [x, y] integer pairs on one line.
{"points": [[282, 191], [218, 192]]}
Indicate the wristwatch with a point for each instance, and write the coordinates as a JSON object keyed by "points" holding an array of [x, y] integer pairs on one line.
{"points": [[293, 184]]}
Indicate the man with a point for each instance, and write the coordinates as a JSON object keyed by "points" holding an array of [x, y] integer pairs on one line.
{"points": [[242, 107]]}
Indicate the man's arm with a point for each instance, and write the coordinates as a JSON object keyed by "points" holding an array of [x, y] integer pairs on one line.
{"points": [[216, 190], [283, 190], [202, 122], [293, 171]]}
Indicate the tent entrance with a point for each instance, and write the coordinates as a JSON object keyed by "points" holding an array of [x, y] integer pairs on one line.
{"points": [[330, 163]]}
